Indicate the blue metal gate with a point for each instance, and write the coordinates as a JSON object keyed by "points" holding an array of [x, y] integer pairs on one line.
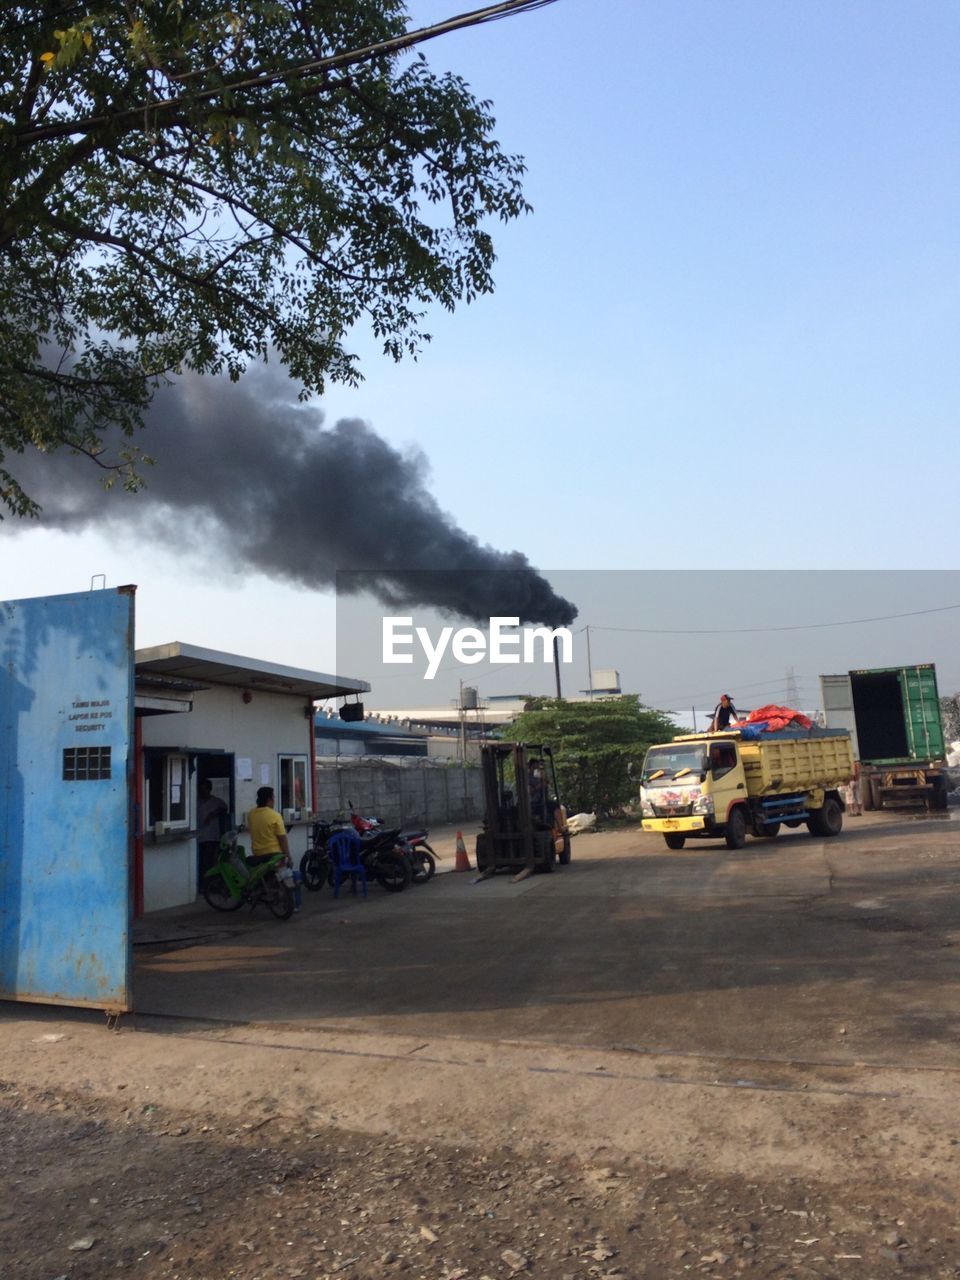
{"points": [[66, 769]]}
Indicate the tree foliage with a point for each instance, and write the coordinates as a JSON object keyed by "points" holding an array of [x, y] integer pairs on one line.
{"points": [[186, 186], [594, 744]]}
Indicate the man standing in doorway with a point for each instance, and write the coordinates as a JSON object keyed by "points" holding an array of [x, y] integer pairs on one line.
{"points": [[211, 812]]}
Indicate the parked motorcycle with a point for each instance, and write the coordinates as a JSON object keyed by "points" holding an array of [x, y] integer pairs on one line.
{"points": [[423, 857], [315, 865], [232, 881], [420, 857], [386, 859]]}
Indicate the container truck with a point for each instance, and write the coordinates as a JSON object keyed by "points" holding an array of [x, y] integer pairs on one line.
{"points": [[893, 717], [730, 785]]}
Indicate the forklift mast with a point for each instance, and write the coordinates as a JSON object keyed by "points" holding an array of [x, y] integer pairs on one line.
{"points": [[520, 808]]}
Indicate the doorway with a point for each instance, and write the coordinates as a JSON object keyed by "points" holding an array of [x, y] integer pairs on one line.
{"points": [[214, 777]]}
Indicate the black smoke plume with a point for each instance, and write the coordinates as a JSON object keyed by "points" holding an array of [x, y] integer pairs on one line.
{"points": [[240, 470]]}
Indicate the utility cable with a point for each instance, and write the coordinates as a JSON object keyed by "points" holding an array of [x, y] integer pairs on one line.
{"points": [[333, 62], [800, 626]]}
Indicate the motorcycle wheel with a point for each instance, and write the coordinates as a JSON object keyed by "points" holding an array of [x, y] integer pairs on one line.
{"points": [[424, 866], [277, 896], [217, 893], [315, 868], [392, 874]]}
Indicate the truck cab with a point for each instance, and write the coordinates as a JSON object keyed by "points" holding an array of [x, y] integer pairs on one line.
{"points": [[690, 786]]}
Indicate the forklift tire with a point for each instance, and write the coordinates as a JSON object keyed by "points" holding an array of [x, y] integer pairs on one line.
{"points": [[564, 857], [675, 842], [481, 851], [544, 854]]}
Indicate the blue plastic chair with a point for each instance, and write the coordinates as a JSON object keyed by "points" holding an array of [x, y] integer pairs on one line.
{"points": [[344, 852]]}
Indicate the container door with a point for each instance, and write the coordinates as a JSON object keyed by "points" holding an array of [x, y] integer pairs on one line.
{"points": [[922, 705], [837, 693], [66, 756]]}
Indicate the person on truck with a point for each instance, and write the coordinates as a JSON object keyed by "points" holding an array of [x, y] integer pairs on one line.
{"points": [[723, 713]]}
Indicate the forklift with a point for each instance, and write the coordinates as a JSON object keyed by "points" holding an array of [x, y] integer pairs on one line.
{"points": [[524, 823]]}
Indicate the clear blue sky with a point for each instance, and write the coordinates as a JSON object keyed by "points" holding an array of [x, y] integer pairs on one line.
{"points": [[739, 287], [726, 337]]}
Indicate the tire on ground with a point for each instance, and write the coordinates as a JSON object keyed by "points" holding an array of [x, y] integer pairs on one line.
{"points": [[827, 821], [673, 841], [736, 833], [217, 894], [313, 868], [544, 854], [938, 797], [278, 896]]}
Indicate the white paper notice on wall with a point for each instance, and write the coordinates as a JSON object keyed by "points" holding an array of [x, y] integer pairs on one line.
{"points": [[264, 775], [244, 769]]}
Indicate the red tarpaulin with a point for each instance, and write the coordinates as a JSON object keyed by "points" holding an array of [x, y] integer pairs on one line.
{"points": [[775, 718]]}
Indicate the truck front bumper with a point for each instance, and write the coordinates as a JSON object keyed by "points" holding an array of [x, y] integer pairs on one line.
{"points": [[696, 823]]}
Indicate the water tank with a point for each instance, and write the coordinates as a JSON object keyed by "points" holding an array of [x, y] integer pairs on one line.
{"points": [[606, 680], [468, 699]]}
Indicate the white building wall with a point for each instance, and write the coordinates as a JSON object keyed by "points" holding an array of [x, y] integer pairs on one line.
{"points": [[261, 730]]}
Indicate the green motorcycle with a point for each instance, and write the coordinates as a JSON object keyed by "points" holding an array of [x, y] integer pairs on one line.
{"points": [[232, 881]]}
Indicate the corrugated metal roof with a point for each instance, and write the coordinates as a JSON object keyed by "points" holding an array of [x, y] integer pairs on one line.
{"points": [[363, 728]]}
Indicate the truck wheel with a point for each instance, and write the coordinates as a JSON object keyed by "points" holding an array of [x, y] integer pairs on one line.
{"points": [[675, 842], [736, 833], [481, 851], [767, 830], [826, 821], [938, 797], [866, 794]]}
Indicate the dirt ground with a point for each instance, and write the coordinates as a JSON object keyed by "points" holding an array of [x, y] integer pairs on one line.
{"points": [[650, 1064]]}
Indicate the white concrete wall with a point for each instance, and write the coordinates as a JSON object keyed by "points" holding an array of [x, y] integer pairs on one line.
{"points": [[169, 874], [261, 730]]}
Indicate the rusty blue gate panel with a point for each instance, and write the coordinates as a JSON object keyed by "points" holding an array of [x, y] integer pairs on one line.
{"points": [[66, 762]]}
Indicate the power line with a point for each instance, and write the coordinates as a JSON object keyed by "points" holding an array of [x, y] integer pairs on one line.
{"points": [[741, 631], [333, 62], [769, 684]]}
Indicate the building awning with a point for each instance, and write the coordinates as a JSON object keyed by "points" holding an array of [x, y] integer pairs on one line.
{"points": [[190, 662], [150, 705], [156, 695]]}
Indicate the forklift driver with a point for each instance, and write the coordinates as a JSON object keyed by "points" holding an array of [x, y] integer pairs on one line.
{"points": [[537, 792]]}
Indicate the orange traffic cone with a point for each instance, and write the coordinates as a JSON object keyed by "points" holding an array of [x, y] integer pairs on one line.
{"points": [[463, 861]]}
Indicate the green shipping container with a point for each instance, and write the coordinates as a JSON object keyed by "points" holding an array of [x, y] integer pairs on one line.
{"points": [[897, 714]]}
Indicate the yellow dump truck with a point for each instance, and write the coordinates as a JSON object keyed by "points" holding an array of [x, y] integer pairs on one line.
{"points": [[730, 785]]}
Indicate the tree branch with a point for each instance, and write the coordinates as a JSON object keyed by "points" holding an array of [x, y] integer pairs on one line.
{"points": [[298, 71]]}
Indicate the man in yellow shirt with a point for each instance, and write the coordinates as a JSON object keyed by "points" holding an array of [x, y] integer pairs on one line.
{"points": [[268, 835]]}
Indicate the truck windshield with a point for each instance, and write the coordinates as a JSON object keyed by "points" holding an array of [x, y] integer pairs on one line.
{"points": [[662, 765]]}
